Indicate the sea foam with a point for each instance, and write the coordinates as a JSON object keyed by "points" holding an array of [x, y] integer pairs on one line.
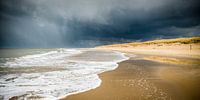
{"points": [[80, 73]]}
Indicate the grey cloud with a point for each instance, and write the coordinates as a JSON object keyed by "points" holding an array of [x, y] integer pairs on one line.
{"points": [[77, 23]]}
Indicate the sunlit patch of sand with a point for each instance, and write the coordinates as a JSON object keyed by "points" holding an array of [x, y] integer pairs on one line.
{"points": [[172, 60]]}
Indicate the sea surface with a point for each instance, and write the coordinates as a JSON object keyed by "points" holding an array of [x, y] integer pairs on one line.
{"points": [[52, 73]]}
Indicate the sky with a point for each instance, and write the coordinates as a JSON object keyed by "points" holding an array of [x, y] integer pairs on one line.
{"points": [[89, 23]]}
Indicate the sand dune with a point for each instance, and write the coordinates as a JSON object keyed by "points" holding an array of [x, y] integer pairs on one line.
{"points": [[180, 47]]}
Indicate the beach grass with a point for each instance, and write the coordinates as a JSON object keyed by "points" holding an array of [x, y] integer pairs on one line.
{"points": [[192, 40]]}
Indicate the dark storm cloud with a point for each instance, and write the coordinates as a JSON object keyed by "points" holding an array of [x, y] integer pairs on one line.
{"points": [[64, 23]]}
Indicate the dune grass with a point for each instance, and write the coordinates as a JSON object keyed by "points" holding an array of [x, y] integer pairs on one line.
{"points": [[177, 40], [192, 40]]}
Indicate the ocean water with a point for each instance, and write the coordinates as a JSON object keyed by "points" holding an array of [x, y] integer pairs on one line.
{"points": [[52, 73]]}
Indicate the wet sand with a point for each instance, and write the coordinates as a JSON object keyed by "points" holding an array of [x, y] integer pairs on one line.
{"points": [[141, 79]]}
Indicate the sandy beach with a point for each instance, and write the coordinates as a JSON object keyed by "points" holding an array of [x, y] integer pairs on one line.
{"points": [[139, 79], [150, 76]]}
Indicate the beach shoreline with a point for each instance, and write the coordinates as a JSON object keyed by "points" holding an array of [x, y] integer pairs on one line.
{"points": [[158, 72], [134, 79]]}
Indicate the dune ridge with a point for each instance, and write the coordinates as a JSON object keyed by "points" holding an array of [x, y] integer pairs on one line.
{"points": [[179, 47]]}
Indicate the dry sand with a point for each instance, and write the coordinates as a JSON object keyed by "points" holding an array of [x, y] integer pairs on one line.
{"points": [[172, 50], [180, 47]]}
